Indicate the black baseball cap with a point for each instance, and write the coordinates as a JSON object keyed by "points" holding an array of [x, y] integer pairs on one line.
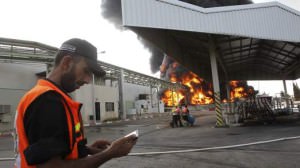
{"points": [[85, 49]]}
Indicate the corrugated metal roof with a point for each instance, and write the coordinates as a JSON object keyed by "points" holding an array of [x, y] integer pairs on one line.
{"points": [[253, 42], [271, 21]]}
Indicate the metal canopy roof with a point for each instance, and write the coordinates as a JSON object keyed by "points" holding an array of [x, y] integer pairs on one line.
{"points": [[12, 50], [254, 42], [25, 51]]}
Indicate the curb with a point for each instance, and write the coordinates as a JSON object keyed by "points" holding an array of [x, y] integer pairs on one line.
{"points": [[130, 118], [5, 134]]}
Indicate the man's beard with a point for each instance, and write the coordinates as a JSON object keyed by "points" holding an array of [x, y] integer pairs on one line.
{"points": [[68, 82]]}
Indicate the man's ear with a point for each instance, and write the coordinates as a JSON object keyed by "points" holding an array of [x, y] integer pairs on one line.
{"points": [[67, 62]]}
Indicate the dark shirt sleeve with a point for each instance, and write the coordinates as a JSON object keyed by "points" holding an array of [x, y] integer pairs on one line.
{"points": [[46, 127]]}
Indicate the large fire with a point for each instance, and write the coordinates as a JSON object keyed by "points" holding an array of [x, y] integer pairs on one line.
{"points": [[240, 89], [237, 91], [198, 91], [172, 96]]}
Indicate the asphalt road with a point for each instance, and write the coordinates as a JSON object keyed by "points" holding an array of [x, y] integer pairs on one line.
{"points": [[157, 136]]}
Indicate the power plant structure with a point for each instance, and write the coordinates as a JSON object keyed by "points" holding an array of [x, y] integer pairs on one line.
{"points": [[112, 97]]}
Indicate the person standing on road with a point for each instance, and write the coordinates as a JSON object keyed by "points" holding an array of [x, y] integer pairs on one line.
{"points": [[49, 129], [176, 117], [178, 111], [185, 113], [174, 122]]}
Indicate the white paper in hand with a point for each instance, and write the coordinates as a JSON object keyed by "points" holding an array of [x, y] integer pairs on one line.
{"points": [[136, 133]]}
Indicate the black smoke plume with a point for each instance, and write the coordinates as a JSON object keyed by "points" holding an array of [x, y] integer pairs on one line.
{"points": [[111, 10]]}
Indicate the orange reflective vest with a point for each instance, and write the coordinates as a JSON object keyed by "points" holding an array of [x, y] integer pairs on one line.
{"points": [[177, 111], [185, 111], [73, 114]]}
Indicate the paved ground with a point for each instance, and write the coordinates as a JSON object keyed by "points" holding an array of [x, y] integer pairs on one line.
{"points": [[156, 135]]}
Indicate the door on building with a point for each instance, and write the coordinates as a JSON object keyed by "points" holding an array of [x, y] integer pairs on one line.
{"points": [[97, 111]]}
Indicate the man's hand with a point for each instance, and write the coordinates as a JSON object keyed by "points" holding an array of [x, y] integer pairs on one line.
{"points": [[121, 147], [98, 146]]}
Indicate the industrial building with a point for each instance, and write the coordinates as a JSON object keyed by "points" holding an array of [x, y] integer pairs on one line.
{"points": [[242, 42], [119, 94]]}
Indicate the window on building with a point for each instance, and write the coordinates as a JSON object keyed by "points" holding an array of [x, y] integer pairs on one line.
{"points": [[109, 106]]}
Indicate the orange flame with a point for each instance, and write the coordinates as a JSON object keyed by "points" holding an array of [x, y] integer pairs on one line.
{"points": [[198, 92], [237, 91], [234, 83], [172, 98], [200, 98], [173, 78]]}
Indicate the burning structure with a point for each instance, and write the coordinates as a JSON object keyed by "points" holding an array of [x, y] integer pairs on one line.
{"points": [[198, 90], [111, 10]]}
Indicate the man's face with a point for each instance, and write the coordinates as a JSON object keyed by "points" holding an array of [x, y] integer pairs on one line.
{"points": [[77, 75]]}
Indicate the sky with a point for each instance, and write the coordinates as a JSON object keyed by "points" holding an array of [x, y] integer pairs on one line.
{"points": [[52, 22]]}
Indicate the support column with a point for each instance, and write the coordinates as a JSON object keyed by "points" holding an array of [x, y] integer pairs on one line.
{"points": [[186, 100], [216, 84], [121, 96], [172, 90], [151, 96], [158, 101], [177, 97], [228, 96], [285, 95], [93, 99]]}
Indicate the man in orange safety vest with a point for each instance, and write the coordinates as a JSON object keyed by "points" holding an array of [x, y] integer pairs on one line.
{"points": [[49, 129]]}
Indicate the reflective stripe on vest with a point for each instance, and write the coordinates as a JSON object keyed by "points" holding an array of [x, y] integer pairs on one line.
{"points": [[73, 120]]}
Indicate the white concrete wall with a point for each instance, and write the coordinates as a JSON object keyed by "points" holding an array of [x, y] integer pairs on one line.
{"points": [[101, 94], [15, 81], [9, 97], [107, 94], [131, 93], [19, 76]]}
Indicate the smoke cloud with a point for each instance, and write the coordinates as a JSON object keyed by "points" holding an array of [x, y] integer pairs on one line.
{"points": [[111, 10]]}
